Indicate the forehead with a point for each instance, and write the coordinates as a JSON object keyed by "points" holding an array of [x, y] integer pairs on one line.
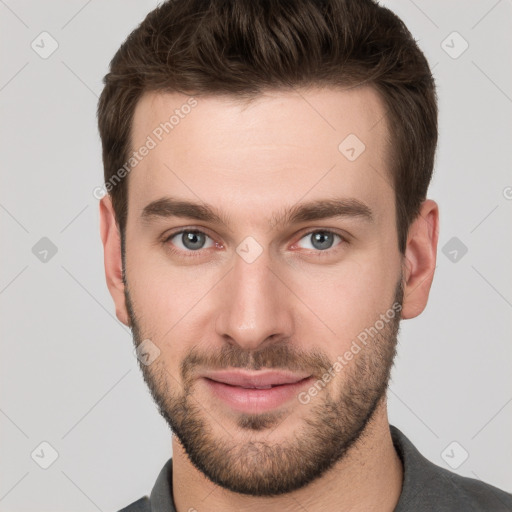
{"points": [[272, 151]]}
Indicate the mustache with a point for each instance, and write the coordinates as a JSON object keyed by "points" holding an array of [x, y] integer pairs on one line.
{"points": [[281, 356]]}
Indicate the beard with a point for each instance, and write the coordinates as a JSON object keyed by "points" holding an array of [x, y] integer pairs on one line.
{"points": [[337, 417]]}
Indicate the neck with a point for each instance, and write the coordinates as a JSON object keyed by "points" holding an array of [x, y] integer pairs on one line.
{"points": [[369, 478]]}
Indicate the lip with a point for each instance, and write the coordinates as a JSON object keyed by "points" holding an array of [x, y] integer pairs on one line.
{"points": [[242, 395], [259, 379]]}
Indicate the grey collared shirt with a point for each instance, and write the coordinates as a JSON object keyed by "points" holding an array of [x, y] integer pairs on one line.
{"points": [[426, 487]]}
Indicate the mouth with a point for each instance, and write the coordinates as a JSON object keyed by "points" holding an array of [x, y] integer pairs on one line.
{"points": [[254, 392], [256, 380]]}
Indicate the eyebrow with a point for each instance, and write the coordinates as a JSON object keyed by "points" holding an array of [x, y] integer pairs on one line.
{"points": [[168, 207]]}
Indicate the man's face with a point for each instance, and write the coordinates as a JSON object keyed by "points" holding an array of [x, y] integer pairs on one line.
{"points": [[263, 291]]}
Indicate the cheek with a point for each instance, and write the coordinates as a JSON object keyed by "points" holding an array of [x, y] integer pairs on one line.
{"points": [[164, 290], [169, 302], [344, 300]]}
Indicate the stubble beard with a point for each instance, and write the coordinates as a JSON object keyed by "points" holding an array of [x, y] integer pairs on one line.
{"points": [[240, 457]]}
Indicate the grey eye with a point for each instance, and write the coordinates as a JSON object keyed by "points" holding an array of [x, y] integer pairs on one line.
{"points": [[189, 240], [320, 240]]}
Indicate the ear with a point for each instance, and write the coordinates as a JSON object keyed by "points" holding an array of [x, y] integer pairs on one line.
{"points": [[420, 259], [111, 239]]}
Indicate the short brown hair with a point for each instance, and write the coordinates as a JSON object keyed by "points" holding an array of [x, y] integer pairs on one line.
{"points": [[244, 47]]}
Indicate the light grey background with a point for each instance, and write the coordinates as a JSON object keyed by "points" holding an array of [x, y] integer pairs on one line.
{"points": [[68, 373]]}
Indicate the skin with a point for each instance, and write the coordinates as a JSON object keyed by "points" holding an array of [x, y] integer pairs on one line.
{"points": [[250, 162]]}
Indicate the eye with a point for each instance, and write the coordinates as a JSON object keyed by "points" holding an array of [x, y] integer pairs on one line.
{"points": [[189, 240], [321, 240]]}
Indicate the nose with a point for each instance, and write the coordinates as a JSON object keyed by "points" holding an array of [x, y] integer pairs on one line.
{"points": [[255, 307]]}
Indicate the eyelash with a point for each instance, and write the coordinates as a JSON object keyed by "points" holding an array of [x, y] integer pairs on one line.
{"points": [[198, 253]]}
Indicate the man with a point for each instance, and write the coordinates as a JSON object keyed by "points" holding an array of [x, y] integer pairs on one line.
{"points": [[265, 230]]}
